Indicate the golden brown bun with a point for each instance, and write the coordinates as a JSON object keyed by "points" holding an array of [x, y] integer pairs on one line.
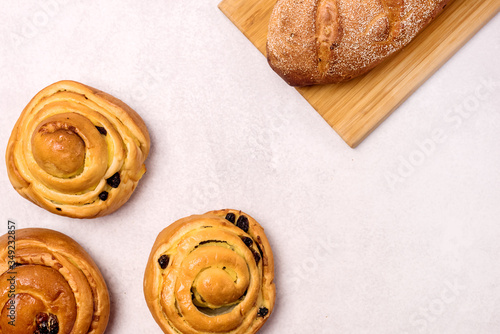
{"points": [[56, 284], [77, 151], [211, 273], [327, 41]]}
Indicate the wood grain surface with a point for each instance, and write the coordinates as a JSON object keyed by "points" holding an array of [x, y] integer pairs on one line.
{"points": [[355, 108]]}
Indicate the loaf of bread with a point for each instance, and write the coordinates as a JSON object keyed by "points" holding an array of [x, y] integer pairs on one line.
{"points": [[49, 284], [211, 273], [77, 151], [328, 41]]}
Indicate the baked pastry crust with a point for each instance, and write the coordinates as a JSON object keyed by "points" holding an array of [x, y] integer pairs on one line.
{"points": [[77, 151], [54, 278], [211, 273], [328, 41]]}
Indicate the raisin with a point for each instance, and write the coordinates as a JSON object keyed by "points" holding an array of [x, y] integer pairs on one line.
{"points": [[242, 223], [248, 241], [42, 318], [58, 209], [103, 196], [231, 217], [101, 130], [163, 261], [15, 265], [257, 243], [114, 181], [53, 324], [263, 311], [46, 324], [256, 256]]}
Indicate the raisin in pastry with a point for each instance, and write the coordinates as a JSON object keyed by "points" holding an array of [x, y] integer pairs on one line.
{"points": [[77, 151], [49, 284], [211, 273]]}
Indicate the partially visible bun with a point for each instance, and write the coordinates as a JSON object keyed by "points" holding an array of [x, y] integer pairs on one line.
{"points": [[54, 284]]}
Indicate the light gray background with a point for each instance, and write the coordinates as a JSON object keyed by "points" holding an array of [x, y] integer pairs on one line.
{"points": [[400, 235]]}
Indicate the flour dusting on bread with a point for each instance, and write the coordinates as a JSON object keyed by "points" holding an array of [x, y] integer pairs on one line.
{"points": [[326, 41]]}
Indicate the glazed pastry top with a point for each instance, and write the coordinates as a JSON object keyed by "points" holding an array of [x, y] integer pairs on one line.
{"points": [[77, 151], [53, 283], [211, 273]]}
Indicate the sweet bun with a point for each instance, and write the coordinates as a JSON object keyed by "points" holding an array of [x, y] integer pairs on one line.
{"points": [[77, 151], [328, 41], [54, 285], [211, 273]]}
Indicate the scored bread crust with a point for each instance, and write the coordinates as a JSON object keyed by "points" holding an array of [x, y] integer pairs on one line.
{"points": [[328, 41]]}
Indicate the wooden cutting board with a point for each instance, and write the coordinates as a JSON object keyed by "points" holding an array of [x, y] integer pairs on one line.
{"points": [[354, 109]]}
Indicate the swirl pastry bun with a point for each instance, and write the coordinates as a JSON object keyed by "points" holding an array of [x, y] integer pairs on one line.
{"points": [[77, 151], [211, 273], [52, 282], [328, 41]]}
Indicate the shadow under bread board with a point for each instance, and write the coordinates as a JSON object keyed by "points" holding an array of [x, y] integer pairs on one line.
{"points": [[355, 108]]}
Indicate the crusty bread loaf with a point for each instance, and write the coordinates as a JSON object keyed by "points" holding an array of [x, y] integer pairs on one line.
{"points": [[327, 41]]}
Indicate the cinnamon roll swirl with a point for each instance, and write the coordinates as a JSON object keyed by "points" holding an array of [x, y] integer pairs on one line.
{"points": [[49, 285], [77, 151], [211, 273]]}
